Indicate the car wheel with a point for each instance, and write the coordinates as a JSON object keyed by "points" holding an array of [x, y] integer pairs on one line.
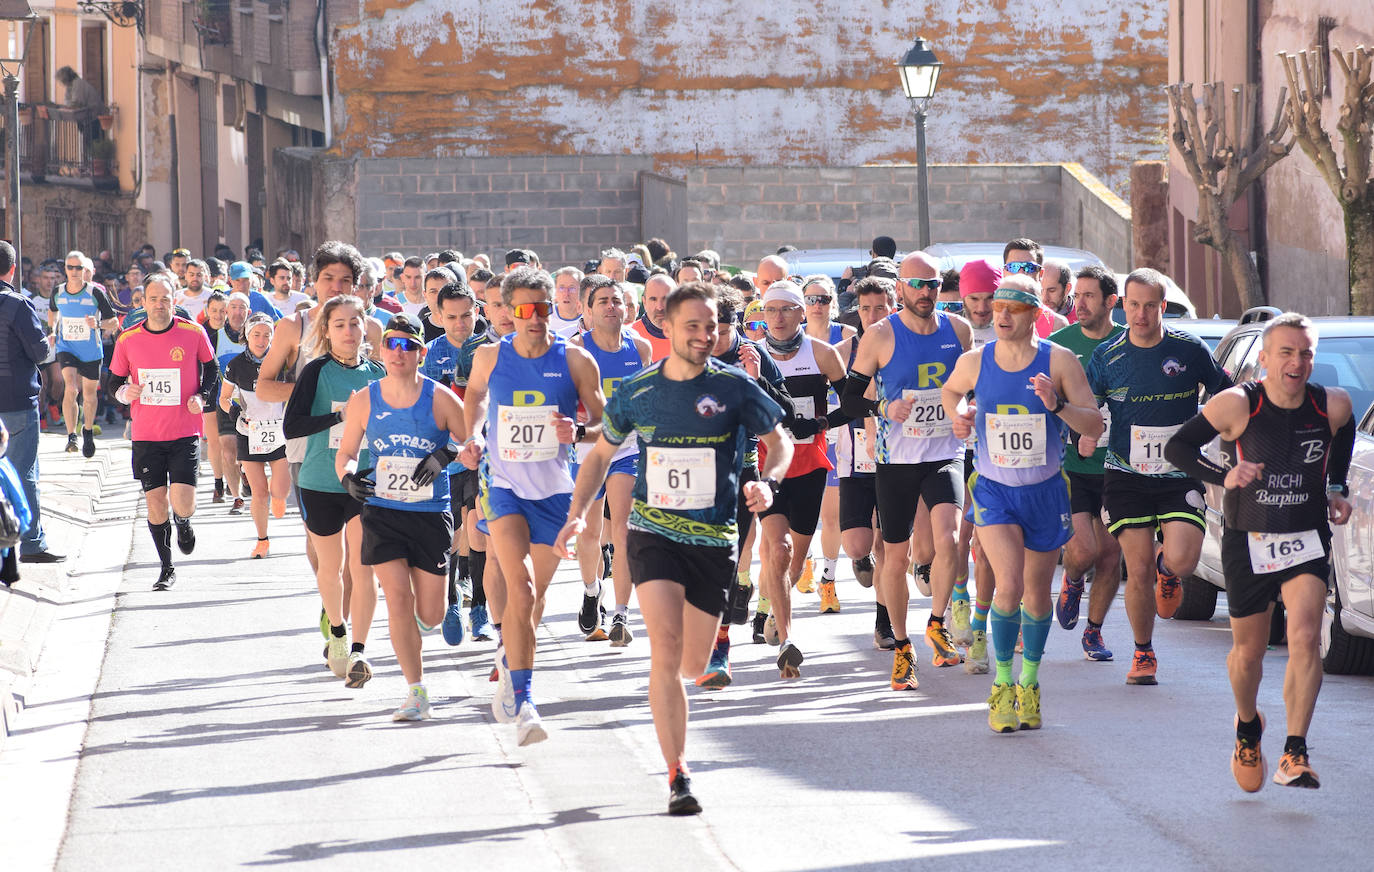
{"points": [[1342, 653], [1199, 601]]}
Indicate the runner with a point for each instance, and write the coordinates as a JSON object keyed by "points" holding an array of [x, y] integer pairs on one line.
{"points": [[527, 387], [1286, 446], [407, 421], [196, 289], [911, 353], [261, 444], [1149, 378], [77, 311], [619, 353], [1026, 257], [221, 435], [1092, 549], [315, 412], [164, 371], [653, 306], [810, 368], [566, 320], [1026, 391], [683, 529]]}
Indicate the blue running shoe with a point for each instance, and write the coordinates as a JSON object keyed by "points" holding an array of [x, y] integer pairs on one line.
{"points": [[1093, 649], [717, 674], [1066, 606], [453, 625], [480, 623]]}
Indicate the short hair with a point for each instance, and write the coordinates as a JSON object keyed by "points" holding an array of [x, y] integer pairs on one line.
{"points": [[949, 280], [413, 261], [1021, 283], [297, 268], [450, 255], [216, 297], [277, 266], [742, 284], [215, 267], [1036, 252], [454, 291], [698, 265], [784, 249], [481, 274], [1296, 320], [615, 254], [198, 264], [729, 303], [86, 262], [6, 257], [884, 246], [704, 291], [335, 251], [873, 285], [443, 274], [708, 255], [569, 271], [1151, 278], [1059, 270], [657, 248], [593, 282], [1105, 280], [525, 278], [66, 75]]}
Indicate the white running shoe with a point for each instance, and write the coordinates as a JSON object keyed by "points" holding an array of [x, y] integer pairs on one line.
{"points": [[529, 728], [503, 700], [338, 655], [415, 707]]}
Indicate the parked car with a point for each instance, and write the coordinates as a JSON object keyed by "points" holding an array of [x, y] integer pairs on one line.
{"points": [[828, 261], [953, 255], [1345, 359], [1209, 330]]}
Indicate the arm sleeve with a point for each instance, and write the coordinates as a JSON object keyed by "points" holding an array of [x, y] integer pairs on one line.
{"points": [[52, 300], [1342, 447], [297, 420], [102, 302], [761, 411], [1184, 450], [838, 417], [778, 394], [768, 370], [209, 381], [852, 399]]}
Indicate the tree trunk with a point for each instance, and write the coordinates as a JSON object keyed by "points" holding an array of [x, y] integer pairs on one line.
{"points": [[1244, 273], [1359, 250]]}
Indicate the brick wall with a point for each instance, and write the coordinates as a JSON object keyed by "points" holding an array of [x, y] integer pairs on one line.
{"points": [[1094, 218], [41, 202]]}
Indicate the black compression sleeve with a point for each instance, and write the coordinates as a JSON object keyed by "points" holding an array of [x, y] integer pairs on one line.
{"points": [[297, 420], [779, 395], [209, 381], [838, 417], [1184, 451], [852, 400], [1342, 447], [114, 383]]}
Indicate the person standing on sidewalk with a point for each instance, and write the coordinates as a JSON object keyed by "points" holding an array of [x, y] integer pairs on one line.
{"points": [[23, 349]]}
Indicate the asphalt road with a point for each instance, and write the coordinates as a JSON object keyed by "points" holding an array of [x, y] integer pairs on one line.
{"points": [[217, 739]]}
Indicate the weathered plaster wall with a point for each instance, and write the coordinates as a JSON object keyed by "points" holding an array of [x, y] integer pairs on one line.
{"points": [[1094, 218], [716, 83]]}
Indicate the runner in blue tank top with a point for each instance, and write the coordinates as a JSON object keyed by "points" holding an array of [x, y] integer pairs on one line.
{"points": [[526, 388], [77, 311], [1026, 390], [619, 353], [407, 421]]}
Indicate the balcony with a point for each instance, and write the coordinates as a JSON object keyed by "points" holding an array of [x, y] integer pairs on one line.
{"points": [[65, 146]]}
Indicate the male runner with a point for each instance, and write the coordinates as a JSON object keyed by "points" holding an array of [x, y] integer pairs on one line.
{"points": [[693, 417], [653, 309], [77, 311], [1285, 455]]}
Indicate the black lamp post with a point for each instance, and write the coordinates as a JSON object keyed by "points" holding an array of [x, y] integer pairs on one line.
{"points": [[920, 72], [16, 22]]}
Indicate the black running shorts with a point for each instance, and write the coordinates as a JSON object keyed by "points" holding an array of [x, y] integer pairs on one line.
{"points": [[799, 498], [705, 572], [326, 512], [900, 485], [157, 464], [421, 539], [1249, 593]]}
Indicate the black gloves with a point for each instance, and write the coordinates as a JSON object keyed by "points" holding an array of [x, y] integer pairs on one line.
{"points": [[357, 485], [433, 466], [805, 427]]}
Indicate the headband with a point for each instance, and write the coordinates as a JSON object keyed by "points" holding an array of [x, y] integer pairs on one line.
{"points": [[1015, 295]]}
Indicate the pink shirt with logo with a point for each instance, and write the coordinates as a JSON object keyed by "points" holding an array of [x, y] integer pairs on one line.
{"points": [[182, 348]]}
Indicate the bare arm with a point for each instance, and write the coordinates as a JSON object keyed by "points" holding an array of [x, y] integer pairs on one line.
{"points": [[591, 474], [956, 387], [286, 339], [475, 405], [355, 425], [587, 379], [1067, 380]]}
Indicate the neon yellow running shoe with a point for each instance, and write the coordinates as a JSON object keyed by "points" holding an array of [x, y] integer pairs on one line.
{"points": [[1028, 706], [1002, 709], [806, 583]]}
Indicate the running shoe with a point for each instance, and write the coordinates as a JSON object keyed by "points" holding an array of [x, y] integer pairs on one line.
{"points": [[961, 618], [759, 621], [186, 537], [904, 669], [237, 507], [87, 443], [921, 574], [740, 596], [883, 639], [717, 674], [359, 670], [1168, 588], [166, 578], [95, 428], [830, 601], [1295, 771], [480, 624], [218, 496], [587, 615], [1066, 606], [72, 447], [426, 629], [806, 582], [942, 645], [863, 570], [1247, 761], [338, 655], [324, 623], [598, 634], [790, 660], [415, 707], [244, 487], [259, 550], [620, 634], [1002, 717], [1093, 649], [680, 798], [977, 661], [529, 727], [503, 700], [1143, 666], [453, 625], [464, 588], [607, 552], [1028, 706], [770, 631], [278, 506]]}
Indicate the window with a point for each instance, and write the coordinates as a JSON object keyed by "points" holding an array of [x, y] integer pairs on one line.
{"points": [[107, 232], [61, 229], [1325, 25]]}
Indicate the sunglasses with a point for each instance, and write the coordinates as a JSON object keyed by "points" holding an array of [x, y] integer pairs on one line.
{"points": [[955, 306], [525, 311], [779, 311], [1028, 267], [73, 266], [755, 325], [401, 343], [928, 284], [817, 300]]}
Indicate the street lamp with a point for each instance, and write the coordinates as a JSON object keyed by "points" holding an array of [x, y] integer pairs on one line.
{"points": [[14, 16], [920, 72]]}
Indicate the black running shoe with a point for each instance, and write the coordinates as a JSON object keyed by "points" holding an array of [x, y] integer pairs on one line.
{"points": [[680, 798], [166, 579], [71, 444], [740, 595], [88, 443], [759, 621], [606, 553], [588, 617], [186, 537]]}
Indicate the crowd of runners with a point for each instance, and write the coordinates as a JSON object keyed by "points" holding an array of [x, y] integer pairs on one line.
{"points": [[451, 432]]}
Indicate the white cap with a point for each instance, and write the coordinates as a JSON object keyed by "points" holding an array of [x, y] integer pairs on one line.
{"points": [[784, 290]]}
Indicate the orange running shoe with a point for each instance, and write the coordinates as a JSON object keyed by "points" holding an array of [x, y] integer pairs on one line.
{"points": [[1294, 771], [1143, 666], [278, 507], [904, 669], [942, 645], [1247, 761], [806, 581], [259, 550], [1168, 588]]}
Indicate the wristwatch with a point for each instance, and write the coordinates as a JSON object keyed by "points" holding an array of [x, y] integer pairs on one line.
{"points": [[1333, 488], [1058, 406], [581, 432], [772, 484]]}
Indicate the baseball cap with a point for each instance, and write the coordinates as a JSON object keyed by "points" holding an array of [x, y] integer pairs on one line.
{"points": [[981, 276], [402, 324], [517, 255], [240, 269], [785, 291]]}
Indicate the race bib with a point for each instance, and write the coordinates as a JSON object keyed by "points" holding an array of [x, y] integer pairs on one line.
{"points": [[75, 330], [806, 408], [1016, 441], [927, 419], [681, 479], [863, 452], [1273, 552], [264, 437], [394, 481], [526, 434], [1106, 427], [161, 387], [336, 432], [1147, 448]]}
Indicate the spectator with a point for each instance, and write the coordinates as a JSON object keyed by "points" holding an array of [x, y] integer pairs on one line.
{"points": [[81, 94], [23, 349]]}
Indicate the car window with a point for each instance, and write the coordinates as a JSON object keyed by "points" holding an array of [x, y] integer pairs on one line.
{"points": [[1367, 425], [1231, 353], [1347, 362]]}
